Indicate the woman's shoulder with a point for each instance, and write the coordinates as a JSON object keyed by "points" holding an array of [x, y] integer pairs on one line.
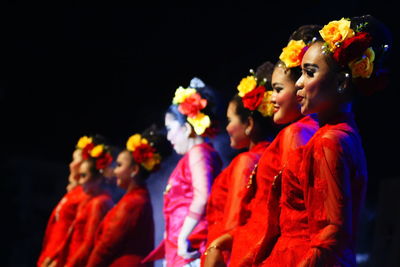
{"points": [[204, 149], [102, 199]]}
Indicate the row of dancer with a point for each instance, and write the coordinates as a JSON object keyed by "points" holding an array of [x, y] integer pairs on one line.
{"points": [[292, 199]]}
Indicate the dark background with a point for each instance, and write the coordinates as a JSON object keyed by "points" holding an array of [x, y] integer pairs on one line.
{"points": [[68, 72]]}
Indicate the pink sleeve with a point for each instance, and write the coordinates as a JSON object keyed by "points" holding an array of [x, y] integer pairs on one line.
{"points": [[201, 170]]}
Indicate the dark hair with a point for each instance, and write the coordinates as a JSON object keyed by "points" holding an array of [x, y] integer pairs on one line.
{"points": [[381, 44], [264, 71], [92, 168], [264, 126], [207, 93], [307, 33]]}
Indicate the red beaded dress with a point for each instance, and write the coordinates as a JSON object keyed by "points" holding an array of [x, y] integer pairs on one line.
{"points": [[126, 234], [258, 234], [59, 223], [319, 217], [227, 206]]}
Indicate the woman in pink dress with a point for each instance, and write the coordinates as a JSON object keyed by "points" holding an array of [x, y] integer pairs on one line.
{"points": [[188, 121]]}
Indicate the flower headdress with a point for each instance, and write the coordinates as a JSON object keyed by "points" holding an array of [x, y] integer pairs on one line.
{"points": [[99, 152], [143, 152], [255, 96], [349, 47], [293, 53], [191, 104]]}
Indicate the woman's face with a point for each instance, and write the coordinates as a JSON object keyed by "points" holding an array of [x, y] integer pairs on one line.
{"points": [[74, 166], [177, 134], [286, 107], [236, 128], [124, 169], [318, 83], [86, 178]]}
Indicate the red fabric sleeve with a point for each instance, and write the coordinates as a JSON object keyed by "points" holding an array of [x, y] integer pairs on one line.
{"points": [[329, 201], [97, 212], [114, 230], [240, 173]]}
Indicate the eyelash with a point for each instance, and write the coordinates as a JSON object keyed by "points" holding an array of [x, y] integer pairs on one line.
{"points": [[309, 73]]}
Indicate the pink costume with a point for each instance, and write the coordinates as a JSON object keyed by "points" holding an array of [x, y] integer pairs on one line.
{"points": [[185, 196]]}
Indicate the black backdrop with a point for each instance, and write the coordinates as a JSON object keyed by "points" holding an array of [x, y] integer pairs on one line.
{"points": [[67, 72]]}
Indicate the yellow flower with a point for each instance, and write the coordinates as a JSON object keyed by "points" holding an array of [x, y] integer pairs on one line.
{"points": [[363, 67], [291, 53], [336, 32], [200, 123], [246, 85], [83, 141], [150, 163], [266, 108], [181, 94], [96, 151], [134, 141]]}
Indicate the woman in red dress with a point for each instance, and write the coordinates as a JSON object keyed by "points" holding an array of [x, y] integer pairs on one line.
{"points": [[75, 249], [249, 126], [64, 213], [126, 234], [188, 121], [258, 232], [333, 174]]}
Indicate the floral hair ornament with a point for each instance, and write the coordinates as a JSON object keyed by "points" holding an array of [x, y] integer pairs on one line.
{"points": [[349, 47], [143, 152], [83, 141], [293, 53], [190, 103], [99, 152], [255, 96]]}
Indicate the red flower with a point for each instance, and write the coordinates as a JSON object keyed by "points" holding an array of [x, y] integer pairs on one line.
{"points": [[352, 48], [143, 152], [103, 161], [253, 99], [192, 105], [86, 151]]}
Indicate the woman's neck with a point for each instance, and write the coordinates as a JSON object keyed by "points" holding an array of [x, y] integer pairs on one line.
{"points": [[133, 184], [330, 114], [194, 141]]}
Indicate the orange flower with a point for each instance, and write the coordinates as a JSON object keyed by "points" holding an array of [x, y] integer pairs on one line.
{"points": [[363, 67], [336, 32], [266, 108], [293, 53], [246, 85]]}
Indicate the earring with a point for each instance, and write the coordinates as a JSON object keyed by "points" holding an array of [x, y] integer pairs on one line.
{"points": [[247, 131], [132, 175], [340, 90]]}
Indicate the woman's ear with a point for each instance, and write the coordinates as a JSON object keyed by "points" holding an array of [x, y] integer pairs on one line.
{"points": [[250, 125], [189, 132], [135, 170]]}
